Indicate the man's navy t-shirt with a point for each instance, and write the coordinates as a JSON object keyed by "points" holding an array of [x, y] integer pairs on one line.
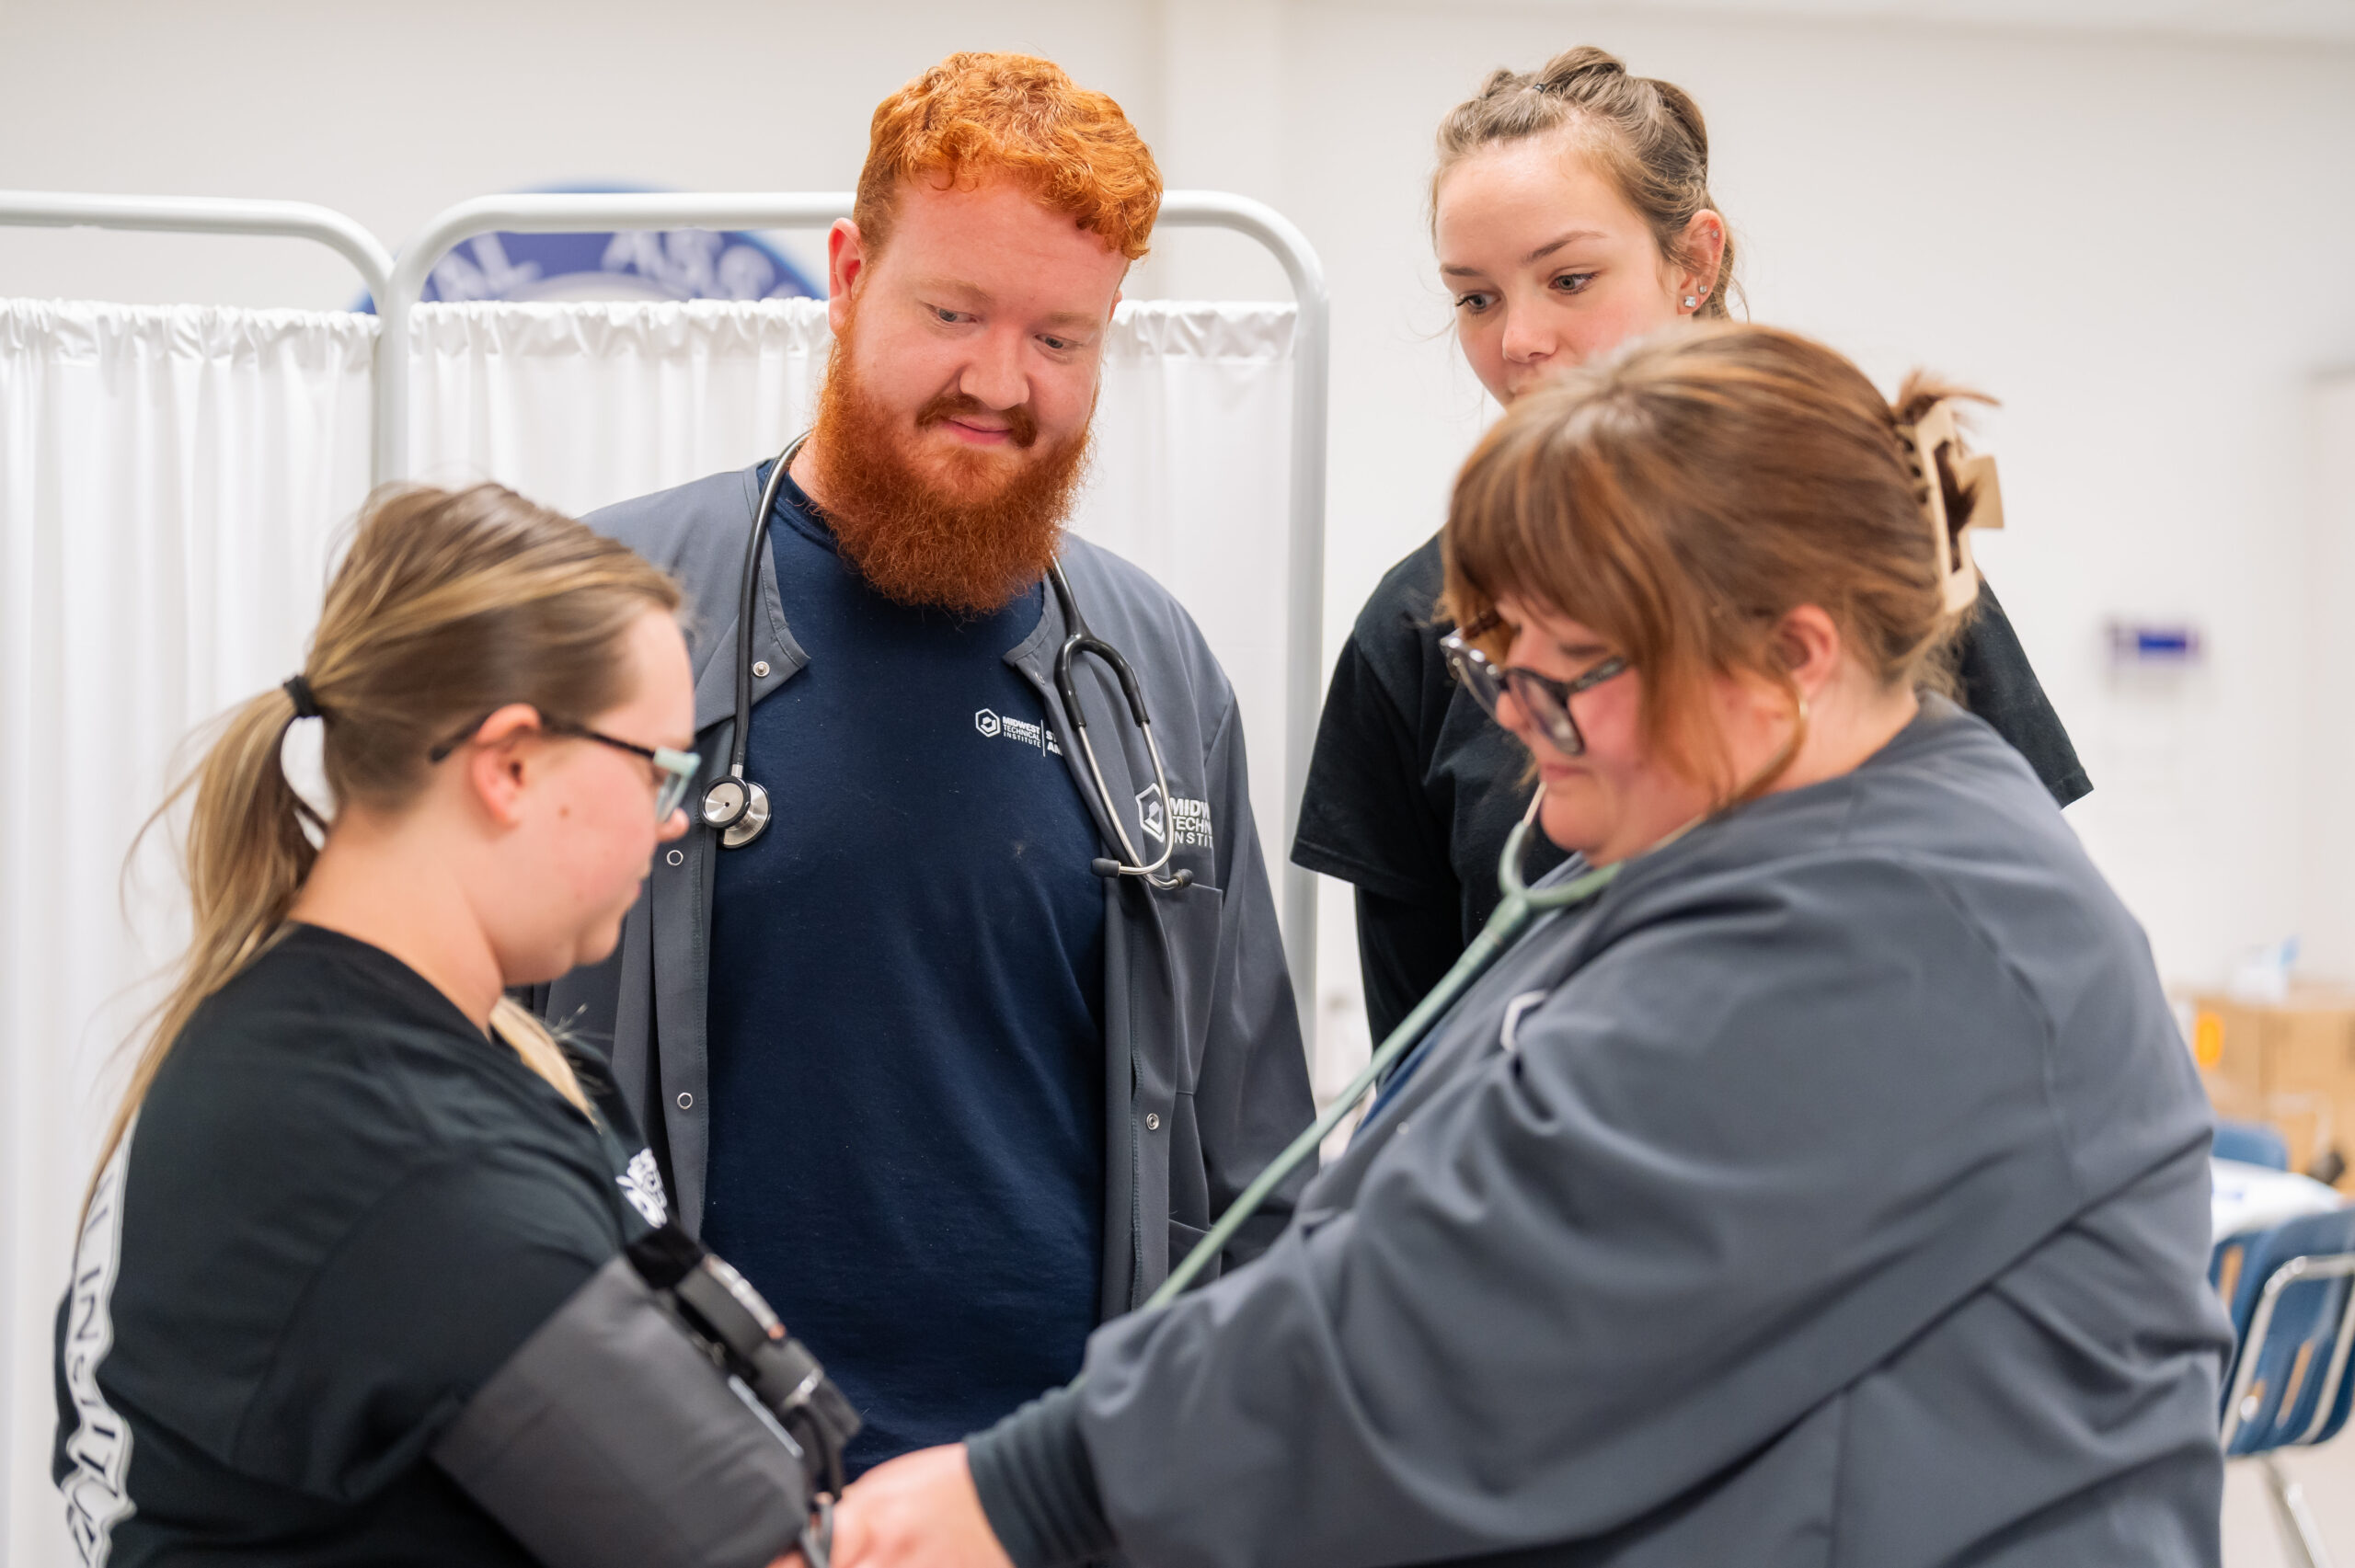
{"points": [[906, 1013]]}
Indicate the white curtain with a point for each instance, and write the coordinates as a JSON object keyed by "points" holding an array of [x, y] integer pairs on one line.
{"points": [[1192, 481], [170, 479], [172, 484], [580, 404]]}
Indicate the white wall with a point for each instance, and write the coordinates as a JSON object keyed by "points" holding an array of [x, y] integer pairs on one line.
{"points": [[391, 113], [2139, 245]]}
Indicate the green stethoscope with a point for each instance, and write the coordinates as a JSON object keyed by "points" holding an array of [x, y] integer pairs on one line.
{"points": [[1521, 902]]}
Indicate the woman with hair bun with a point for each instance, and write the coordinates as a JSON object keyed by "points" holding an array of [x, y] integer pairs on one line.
{"points": [[1823, 1181], [1571, 211], [334, 1294]]}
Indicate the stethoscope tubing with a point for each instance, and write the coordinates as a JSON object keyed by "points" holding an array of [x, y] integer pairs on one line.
{"points": [[1521, 901], [746, 595], [1078, 639]]}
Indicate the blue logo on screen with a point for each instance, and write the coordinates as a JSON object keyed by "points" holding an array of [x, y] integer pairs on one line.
{"points": [[629, 264]]}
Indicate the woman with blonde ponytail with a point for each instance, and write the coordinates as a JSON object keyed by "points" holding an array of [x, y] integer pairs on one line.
{"points": [[421, 627], [350, 1178]]}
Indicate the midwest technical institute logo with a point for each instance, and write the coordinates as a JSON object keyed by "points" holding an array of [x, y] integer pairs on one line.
{"points": [[1004, 726], [1188, 819]]}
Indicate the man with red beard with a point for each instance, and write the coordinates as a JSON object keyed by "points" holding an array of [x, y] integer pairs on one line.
{"points": [[948, 1096]]}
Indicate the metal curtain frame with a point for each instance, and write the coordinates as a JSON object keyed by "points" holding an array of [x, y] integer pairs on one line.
{"points": [[1305, 563], [205, 215], [396, 287]]}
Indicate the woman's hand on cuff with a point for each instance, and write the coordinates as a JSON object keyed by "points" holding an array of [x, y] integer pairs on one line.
{"points": [[918, 1511]]}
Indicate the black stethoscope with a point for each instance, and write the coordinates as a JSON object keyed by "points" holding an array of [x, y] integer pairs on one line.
{"points": [[738, 809]]}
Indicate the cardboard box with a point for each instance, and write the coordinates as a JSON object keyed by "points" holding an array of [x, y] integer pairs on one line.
{"points": [[2291, 1064]]}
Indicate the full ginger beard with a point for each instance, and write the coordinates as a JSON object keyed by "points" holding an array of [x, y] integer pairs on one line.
{"points": [[967, 532]]}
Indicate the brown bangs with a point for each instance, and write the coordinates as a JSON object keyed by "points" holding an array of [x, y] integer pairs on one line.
{"points": [[1680, 497], [1553, 511]]}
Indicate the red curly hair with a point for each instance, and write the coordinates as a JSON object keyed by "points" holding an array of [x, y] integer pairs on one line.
{"points": [[975, 115]]}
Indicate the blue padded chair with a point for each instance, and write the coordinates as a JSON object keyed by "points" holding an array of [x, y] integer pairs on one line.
{"points": [[2291, 1291], [2252, 1143]]}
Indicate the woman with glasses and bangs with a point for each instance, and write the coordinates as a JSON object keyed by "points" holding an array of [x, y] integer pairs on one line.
{"points": [[1570, 211], [351, 1177], [1829, 1184]]}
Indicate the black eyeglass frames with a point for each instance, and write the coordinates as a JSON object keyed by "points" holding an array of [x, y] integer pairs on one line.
{"points": [[675, 770], [1545, 699]]}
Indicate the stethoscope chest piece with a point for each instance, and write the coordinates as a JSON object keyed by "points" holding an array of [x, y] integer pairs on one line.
{"points": [[734, 806], [737, 808]]}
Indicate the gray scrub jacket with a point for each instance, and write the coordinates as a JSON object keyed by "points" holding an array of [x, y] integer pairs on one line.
{"points": [[1832, 1189], [1205, 1078]]}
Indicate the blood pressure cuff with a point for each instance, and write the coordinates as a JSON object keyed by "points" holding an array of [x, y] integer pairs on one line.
{"points": [[660, 1416]]}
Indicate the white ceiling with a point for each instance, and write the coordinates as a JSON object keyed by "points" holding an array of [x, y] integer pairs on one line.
{"points": [[2319, 20]]}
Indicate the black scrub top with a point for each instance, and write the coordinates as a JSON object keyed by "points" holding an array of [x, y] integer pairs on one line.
{"points": [[340, 1209], [1412, 789]]}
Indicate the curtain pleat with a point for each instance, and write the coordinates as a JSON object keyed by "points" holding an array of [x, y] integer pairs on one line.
{"points": [[170, 481], [173, 482], [582, 405]]}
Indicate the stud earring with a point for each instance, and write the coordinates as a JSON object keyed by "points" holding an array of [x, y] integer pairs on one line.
{"points": [[1690, 302]]}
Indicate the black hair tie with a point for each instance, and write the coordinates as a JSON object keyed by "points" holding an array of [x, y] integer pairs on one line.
{"points": [[306, 704]]}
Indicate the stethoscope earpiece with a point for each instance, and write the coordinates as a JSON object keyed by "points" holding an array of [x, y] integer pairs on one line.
{"points": [[1109, 868], [1080, 640]]}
